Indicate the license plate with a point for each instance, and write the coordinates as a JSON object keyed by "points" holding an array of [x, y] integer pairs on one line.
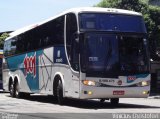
{"points": [[118, 92]]}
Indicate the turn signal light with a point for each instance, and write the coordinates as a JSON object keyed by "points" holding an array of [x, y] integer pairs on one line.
{"points": [[89, 83]]}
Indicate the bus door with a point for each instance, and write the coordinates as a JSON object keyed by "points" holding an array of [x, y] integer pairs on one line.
{"points": [[72, 47]]}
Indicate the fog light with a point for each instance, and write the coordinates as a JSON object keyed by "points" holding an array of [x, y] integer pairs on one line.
{"points": [[145, 92], [90, 92]]}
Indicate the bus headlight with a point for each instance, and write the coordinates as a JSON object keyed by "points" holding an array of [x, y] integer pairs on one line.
{"points": [[89, 82], [143, 83]]}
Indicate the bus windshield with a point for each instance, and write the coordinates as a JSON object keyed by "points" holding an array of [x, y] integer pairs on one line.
{"points": [[113, 55], [111, 22]]}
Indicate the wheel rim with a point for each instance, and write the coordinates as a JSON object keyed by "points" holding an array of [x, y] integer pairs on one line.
{"points": [[11, 89], [17, 90], [60, 93]]}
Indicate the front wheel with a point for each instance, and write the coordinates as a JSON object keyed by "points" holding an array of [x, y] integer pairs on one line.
{"points": [[60, 93], [114, 101], [102, 100]]}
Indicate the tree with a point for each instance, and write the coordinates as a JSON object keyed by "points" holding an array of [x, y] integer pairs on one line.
{"points": [[135, 5], [151, 16], [2, 38]]}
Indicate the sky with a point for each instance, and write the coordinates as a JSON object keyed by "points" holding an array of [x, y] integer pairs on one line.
{"points": [[15, 14]]}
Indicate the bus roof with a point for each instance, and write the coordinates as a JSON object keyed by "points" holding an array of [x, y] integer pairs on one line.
{"points": [[76, 11], [102, 10]]}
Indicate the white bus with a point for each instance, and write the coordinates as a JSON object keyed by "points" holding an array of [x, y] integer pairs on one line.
{"points": [[83, 53]]}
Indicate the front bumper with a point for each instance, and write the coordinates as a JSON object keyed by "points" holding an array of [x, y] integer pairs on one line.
{"points": [[91, 92]]}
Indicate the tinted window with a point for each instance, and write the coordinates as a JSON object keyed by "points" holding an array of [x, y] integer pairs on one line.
{"points": [[110, 55], [46, 35], [112, 22], [100, 54], [72, 40]]}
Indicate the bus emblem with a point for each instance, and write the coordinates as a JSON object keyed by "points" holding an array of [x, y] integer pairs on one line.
{"points": [[119, 82], [30, 65], [131, 79]]}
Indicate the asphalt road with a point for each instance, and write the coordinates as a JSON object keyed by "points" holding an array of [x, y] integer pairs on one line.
{"points": [[40, 106]]}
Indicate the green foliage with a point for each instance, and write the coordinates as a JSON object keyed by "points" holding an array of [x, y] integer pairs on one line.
{"points": [[155, 31], [150, 13], [109, 3], [134, 5], [2, 38]]}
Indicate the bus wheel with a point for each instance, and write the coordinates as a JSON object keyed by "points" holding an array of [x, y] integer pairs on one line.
{"points": [[17, 93], [12, 92], [60, 93], [114, 101]]}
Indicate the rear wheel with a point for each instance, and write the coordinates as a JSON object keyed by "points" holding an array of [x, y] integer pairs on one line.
{"points": [[17, 93], [11, 89], [114, 101], [60, 93], [26, 95]]}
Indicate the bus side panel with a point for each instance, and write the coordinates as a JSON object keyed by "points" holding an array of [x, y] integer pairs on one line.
{"points": [[25, 67], [46, 71], [71, 78], [54, 62]]}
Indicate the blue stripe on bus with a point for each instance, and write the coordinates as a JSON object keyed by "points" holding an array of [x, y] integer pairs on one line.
{"points": [[59, 55], [31, 74], [142, 75]]}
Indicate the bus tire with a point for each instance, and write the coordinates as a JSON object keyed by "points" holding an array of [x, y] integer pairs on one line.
{"points": [[26, 95], [11, 89], [60, 93], [17, 93], [114, 101], [102, 100]]}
